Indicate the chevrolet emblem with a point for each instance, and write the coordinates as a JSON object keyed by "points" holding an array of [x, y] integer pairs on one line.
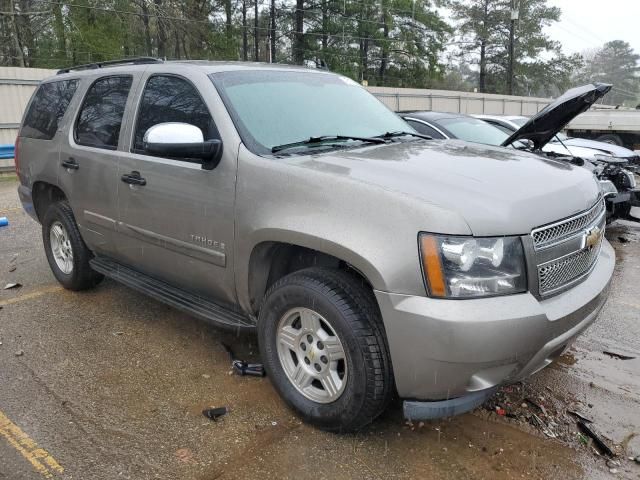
{"points": [[592, 237]]}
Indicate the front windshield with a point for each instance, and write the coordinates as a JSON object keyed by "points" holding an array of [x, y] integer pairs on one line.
{"points": [[272, 108], [474, 130]]}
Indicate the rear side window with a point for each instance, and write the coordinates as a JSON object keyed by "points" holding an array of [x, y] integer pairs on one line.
{"points": [[47, 109], [168, 98], [425, 129], [100, 117]]}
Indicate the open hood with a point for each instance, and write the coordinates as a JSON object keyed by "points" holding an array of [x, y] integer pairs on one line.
{"points": [[543, 126]]}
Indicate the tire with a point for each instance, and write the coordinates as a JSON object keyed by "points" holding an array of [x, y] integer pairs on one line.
{"points": [[75, 273], [346, 308], [610, 139]]}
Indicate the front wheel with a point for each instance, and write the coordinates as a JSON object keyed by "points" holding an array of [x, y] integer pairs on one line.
{"points": [[67, 254], [322, 340]]}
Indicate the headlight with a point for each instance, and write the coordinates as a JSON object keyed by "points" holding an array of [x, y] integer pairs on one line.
{"points": [[463, 267], [631, 178], [607, 188]]}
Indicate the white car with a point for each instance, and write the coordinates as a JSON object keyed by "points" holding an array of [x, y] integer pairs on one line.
{"points": [[563, 145]]}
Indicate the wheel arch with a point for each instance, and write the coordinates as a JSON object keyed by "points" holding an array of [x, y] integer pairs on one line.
{"points": [[45, 194], [270, 260]]}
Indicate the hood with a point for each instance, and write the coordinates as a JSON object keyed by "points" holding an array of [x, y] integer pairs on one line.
{"points": [[602, 147], [572, 150], [497, 191], [543, 126]]}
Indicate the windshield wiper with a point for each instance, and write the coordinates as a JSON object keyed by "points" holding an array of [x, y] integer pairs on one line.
{"points": [[325, 138], [390, 135]]}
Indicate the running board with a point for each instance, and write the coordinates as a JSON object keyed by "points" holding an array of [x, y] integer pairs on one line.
{"points": [[192, 304]]}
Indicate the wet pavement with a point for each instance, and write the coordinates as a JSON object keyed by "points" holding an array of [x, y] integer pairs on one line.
{"points": [[111, 384]]}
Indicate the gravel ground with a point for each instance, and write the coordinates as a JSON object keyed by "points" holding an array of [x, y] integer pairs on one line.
{"points": [[111, 384]]}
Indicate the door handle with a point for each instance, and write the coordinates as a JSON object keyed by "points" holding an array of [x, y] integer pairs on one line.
{"points": [[71, 164], [133, 178]]}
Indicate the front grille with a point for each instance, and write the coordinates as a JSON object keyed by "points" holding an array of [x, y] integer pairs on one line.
{"points": [[565, 252], [567, 270], [549, 235]]}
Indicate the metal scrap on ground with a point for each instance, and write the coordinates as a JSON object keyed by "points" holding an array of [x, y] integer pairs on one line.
{"points": [[619, 356], [603, 447], [215, 413]]}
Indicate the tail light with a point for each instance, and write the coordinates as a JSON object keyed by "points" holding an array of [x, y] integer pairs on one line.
{"points": [[15, 155]]}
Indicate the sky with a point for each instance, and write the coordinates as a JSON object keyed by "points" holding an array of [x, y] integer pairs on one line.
{"points": [[588, 24]]}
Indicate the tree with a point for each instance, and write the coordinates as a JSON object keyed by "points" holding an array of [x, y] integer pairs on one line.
{"points": [[540, 67], [480, 24], [391, 42], [616, 63]]}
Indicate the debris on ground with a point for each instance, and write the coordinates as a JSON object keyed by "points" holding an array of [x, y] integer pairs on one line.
{"points": [[19, 353], [580, 416], [4, 221], [544, 427], [623, 240], [603, 447], [9, 286], [215, 413], [12, 263], [244, 368], [619, 356], [550, 414]]}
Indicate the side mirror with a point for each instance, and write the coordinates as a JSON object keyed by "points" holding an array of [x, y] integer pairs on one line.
{"points": [[184, 141]]}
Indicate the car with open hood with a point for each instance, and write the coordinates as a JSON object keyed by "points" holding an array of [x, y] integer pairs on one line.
{"points": [[370, 260], [564, 145], [541, 135]]}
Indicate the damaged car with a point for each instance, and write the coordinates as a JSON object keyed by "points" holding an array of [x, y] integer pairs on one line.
{"points": [[370, 260], [541, 135]]}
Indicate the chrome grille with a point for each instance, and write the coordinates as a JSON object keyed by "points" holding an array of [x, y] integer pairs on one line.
{"points": [[567, 270], [549, 235]]}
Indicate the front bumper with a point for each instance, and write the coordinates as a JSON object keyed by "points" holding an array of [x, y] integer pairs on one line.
{"points": [[443, 349]]}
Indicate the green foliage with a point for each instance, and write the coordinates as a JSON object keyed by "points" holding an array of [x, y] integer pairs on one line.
{"points": [[614, 63], [540, 67], [400, 43]]}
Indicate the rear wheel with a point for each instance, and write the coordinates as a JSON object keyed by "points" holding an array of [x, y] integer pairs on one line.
{"points": [[67, 254], [322, 341]]}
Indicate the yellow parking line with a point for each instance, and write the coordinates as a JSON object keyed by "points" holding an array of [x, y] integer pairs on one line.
{"points": [[30, 295], [39, 458]]}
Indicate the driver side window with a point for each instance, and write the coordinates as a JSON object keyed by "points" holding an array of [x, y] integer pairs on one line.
{"points": [[167, 98]]}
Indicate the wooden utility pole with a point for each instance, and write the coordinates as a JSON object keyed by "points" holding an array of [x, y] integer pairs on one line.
{"points": [[273, 31], [245, 40], [483, 47], [512, 28], [298, 38], [255, 32]]}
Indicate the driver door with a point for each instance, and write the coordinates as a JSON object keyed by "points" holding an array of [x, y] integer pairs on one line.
{"points": [[177, 223]]}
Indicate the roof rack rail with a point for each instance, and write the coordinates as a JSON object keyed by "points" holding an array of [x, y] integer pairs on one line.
{"points": [[111, 63]]}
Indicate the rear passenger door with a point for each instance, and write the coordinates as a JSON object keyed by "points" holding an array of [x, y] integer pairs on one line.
{"points": [[89, 159], [178, 227]]}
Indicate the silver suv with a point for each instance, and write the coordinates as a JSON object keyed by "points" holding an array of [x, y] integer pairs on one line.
{"points": [[369, 259]]}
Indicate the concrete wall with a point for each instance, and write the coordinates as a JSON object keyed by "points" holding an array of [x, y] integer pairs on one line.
{"points": [[399, 99], [16, 87]]}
